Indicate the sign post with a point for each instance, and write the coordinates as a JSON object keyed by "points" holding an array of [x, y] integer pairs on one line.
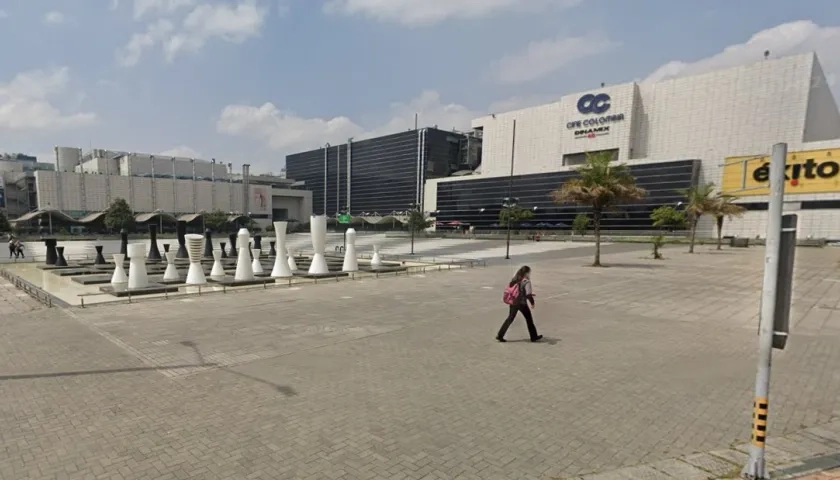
{"points": [[756, 467], [344, 219]]}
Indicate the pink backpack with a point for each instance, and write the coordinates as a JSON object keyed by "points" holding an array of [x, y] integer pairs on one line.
{"points": [[511, 296]]}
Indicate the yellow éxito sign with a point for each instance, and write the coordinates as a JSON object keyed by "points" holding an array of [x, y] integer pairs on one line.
{"points": [[813, 171]]}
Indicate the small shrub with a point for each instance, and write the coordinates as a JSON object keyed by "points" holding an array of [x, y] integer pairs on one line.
{"points": [[580, 224]]}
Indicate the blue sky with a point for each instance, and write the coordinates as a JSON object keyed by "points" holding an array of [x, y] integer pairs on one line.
{"points": [[252, 80]]}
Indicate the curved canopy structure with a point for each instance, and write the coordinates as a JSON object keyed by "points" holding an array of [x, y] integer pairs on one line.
{"points": [[90, 218], [237, 216], [145, 217], [189, 217], [56, 214]]}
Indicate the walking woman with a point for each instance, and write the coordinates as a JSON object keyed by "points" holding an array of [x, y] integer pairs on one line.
{"points": [[518, 299]]}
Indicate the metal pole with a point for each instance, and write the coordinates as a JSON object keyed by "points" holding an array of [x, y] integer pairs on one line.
{"points": [[756, 467], [510, 189], [51, 223]]}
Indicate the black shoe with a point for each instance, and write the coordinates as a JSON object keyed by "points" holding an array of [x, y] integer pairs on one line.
{"points": [[500, 339], [537, 338]]}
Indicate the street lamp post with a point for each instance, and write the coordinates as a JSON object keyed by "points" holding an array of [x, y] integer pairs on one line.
{"points": [[414, 208], [507, 204]]}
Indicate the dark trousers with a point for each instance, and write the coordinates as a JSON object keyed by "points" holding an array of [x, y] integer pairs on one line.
{"points": [[529, 320]]}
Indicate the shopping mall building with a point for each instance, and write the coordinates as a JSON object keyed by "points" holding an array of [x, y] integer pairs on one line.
{"points": [[714, 127]]}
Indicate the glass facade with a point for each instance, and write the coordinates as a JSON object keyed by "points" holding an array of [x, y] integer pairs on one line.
{"points": [[478, 201], [384, 176]]}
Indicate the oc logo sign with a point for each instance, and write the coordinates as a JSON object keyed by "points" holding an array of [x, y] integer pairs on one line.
{"points": [[596, 104]]}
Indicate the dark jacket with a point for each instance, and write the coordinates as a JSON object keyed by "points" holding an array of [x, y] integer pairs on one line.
{"points": [[526, 293]]}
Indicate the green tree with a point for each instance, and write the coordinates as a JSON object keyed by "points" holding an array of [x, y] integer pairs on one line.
{"points": [[665, 218], [581, 224], [516, 214], [417, 221], [5, 227], [119, 216], [700, 201], [601, 184], [216, 220], [724, 207]]}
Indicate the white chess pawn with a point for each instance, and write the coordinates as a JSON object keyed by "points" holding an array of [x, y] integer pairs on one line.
{"points": [[171, 272], [218, 270], [351, 263], [119, 275], [292, 264], [376, 260]]}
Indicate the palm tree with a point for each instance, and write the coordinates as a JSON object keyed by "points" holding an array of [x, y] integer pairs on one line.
{"points": [[601, 184], [725, 207], [699, 201]]}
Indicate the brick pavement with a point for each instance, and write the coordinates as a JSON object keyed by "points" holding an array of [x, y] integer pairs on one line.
{"points": [[14, 301], [400, 378]]}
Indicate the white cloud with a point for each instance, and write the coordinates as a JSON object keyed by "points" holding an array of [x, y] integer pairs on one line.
{"points": [[544, 57], [181, 151], [230, 23], [521, 101], [427, 12], [145, 8], [155, 33], [25, 102], [54, 18], [785, 39], [287, 132], [3, 14], [115, 4]]}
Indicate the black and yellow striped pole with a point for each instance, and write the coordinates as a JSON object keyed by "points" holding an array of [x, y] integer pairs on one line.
{"points": [[756, 467]]}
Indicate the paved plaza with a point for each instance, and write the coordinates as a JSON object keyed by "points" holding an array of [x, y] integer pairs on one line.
{"points": [[645, 361]]}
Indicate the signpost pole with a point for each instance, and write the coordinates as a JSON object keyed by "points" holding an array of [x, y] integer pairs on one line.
{"points": [[756, 467], [510, 189]]}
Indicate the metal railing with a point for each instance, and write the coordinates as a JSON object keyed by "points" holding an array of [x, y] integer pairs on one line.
{"points": [[31, 290]]}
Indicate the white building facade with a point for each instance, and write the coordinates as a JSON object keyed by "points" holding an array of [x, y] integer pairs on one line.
{"points": [[673, 134]]}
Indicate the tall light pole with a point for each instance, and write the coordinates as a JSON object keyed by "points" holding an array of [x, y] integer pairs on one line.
{"points": [[508, 203], [414, 208], [509, 198], [756, 467]]}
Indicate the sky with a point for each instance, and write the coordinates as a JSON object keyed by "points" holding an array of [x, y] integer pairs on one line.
{"points": [[250, 81]]}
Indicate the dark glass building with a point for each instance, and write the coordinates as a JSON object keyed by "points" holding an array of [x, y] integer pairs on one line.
{"points": [[478, 201], [380, 175]]}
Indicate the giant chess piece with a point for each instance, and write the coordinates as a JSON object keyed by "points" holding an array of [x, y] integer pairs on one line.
{"points": [[218, 270], [100, 260], [195, 275], [258, 244], [208, 243], [154, 252], [124, 243], [181, 229], [376, 260], [165, 247], [60, 262], [281, 265], [232, 238], [351, 263], [171, 273], [119, 275], [137, 276], [292, 264], [318, 230], [256, 265], [222, 248], [244, 272], [52, 254], [272, 252]]}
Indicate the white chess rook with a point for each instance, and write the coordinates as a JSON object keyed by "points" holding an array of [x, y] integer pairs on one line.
{"points": [[119, 275], [318, 230], [244, 272], [218, 270], [171, 273], [281, 265], [292, 263], [137, 276], [256, 265], [351, 263], [195, 248], [376, 260]]}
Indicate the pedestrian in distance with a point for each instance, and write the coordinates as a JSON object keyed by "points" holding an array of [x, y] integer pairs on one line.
{"points": [[19, 249], [517, 296], [13, 247]]}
